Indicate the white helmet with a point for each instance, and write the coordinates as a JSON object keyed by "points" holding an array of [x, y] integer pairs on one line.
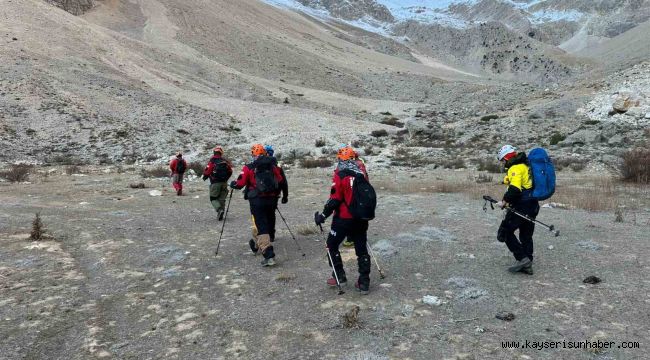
{"points": [[505, 150]]}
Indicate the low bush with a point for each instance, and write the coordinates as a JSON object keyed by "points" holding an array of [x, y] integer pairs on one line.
{"points": [[320, 142], [17, 173], [556, 139], [635, 166], [379, 133], [157, 172], [310, 163]]}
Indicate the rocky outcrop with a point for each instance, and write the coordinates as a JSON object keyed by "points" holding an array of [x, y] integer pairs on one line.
{"points": [[75, 7], [352, 9]]}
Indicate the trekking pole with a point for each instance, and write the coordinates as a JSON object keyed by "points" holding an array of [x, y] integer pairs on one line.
{"points": [[225, 216], [491, 201], [329, 256], [290, 232], [372, 255]]}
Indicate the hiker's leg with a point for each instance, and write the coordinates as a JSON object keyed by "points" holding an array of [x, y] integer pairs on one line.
{"points": [[359, 235], [272, 218], [215, 190], [259, 211], [506, 234], [337, 233], [527, 229]]}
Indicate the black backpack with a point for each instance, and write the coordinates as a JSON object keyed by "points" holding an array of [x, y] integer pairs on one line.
{"points": [[180, 166], [219, 170], [364, 199], [265, 179]]}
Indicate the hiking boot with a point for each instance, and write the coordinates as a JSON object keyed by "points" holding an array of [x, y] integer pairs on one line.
{"points": [[348, 243], [528, 270], [268, 262], [362, 287], [332, 281], [220, 214], [253, 246], [525, 262], [179, 192]]}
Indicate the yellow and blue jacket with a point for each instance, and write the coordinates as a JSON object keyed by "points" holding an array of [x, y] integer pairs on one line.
{"points": [[518, 178]]}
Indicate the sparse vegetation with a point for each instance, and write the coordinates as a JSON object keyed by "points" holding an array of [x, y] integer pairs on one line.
{"points": [[320, 142], [572, 163], [489, 117], [484, 178], [38, 229], [392, 121], [556, 139], [157, 172], [72, 169], [285, 277], [310, 163], [379, 133], [182, 131], [455, 163], [368, 150], [17, 173], [635, 166]]}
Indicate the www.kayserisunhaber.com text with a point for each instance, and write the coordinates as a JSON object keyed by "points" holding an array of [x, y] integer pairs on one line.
{"points": [[564, 344]]}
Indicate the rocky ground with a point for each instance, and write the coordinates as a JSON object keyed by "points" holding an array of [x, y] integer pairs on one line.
{"points": [[129, 275]]}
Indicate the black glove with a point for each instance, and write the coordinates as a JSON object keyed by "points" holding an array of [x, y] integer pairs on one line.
{"points": [[285, 200], [204, 178], [319, 218], [233, 184]]}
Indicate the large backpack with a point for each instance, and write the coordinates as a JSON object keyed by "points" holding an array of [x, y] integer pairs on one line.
{"points": [[219, 170], [364, 199], [543, 173], [265, 180], [180, 166]]}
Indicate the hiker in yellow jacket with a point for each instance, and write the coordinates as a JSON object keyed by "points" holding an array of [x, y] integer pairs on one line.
{"points": [[517, 196]]}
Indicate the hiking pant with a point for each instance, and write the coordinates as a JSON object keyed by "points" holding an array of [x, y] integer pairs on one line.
{"points": [[218, 194], [177, 181], [522, 247], [357, 232], [263, 211]]}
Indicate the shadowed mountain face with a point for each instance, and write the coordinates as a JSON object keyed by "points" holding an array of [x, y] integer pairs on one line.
{"points": [[75, 7]]}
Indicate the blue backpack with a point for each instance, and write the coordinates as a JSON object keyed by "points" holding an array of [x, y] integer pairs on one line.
{"points": [[543, 172]]}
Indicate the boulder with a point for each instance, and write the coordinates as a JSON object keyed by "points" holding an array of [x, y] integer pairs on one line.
{"points": [[626, 100], [417, 127], [74, 7]]}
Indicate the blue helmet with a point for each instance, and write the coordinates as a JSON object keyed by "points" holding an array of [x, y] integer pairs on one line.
{"points": [[269, 149]]}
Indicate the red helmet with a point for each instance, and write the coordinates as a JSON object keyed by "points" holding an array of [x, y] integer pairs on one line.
{"points": [[346, 153], [218, 149], [257, 150]]}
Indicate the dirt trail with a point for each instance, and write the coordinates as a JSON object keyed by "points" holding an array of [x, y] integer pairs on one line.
{"points": [[134, 276]]}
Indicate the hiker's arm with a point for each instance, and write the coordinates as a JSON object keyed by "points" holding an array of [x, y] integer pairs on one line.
{"points": [[336, 198], [208, 170], [284, 185], [172, 165], [242, 179], [515, 186]]}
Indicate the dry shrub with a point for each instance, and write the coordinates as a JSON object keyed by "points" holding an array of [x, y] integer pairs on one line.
{"points": [[484, 178], [17, 173], [306, 230], [197, 166], [392, 121], [157, 172], [379, 133], [72, 169], [38, 229], [351, 318], [489, 165], [635, 166], [572, 163], [320, 142], [309, 163]]}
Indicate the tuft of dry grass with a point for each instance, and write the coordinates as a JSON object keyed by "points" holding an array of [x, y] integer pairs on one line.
{"points": [[306, 230], [351, 318], [285, 277]]}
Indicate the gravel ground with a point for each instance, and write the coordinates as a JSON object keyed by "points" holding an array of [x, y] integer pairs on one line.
{"points": [[128, 275]]}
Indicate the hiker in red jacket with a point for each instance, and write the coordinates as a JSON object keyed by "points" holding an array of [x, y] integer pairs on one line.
{"points": [[264, 182], [178, 165], [218, 170], [344, 224]]}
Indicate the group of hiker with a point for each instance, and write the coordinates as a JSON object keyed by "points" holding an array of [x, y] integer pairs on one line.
{"points": [[352, 203]]}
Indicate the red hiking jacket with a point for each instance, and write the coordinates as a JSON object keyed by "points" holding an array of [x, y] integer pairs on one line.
{"points": [[341, 195], [174, 163]]}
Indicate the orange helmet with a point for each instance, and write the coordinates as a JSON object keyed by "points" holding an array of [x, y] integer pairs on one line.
{"points": [[257, 150], [218, 149], [346, 153]]}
